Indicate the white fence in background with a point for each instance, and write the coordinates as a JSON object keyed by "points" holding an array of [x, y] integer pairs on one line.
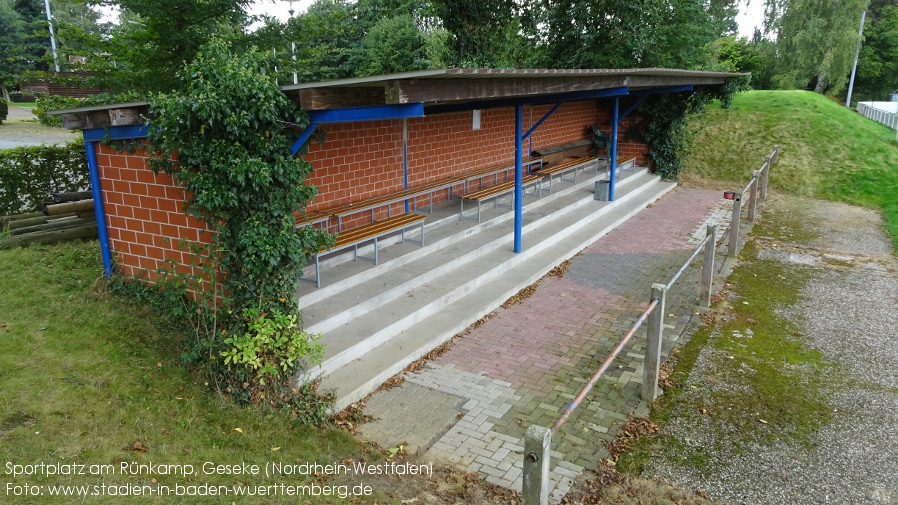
{"points": [[882, 112]]}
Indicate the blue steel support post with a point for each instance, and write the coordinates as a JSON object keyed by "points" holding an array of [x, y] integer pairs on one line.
{"points": [[613, 161], [405, 157], [99, 210], [518, 176]]}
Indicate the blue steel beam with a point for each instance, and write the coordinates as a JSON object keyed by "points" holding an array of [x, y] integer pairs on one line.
{"points": [[632, 107], [546, 116], [536, 100], [518, 176], [96, 135], [667, 89], [303, 137], [373, 113], [613, 161]]}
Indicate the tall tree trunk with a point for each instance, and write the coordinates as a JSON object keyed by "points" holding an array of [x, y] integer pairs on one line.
{"points": [[821, 82]]}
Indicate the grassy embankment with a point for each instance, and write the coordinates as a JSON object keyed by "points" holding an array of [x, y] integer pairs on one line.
{"points": [[828, 152]]}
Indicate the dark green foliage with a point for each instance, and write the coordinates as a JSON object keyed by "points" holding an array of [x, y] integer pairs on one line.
{"points": [[4, 110], [393, 45], [232, 130], [666, 119], [816, 42], [877, 71], [29, 174], [626, 34]]}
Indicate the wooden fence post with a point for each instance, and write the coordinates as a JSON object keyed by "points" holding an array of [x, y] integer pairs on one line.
{"points": [[535, 481], [654, 339], [753, 196], [734, 225], [765, 173], [708, 266]]}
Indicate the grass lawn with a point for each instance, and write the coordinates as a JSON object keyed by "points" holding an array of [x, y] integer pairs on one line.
{"points": [[827, 151], [86, 378]]}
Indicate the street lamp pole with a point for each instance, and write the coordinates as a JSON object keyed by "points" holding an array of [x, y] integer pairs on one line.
{"points": [[52, 35], [292, 45]]}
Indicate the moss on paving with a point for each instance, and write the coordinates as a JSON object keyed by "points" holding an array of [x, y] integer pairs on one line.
{"points": [[764, 383]]}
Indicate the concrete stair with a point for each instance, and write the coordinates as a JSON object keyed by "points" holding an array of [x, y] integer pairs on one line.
{"points": [[376, 320]]}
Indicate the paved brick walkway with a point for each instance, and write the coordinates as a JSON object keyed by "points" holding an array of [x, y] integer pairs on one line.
{"points": [[471, 406]]}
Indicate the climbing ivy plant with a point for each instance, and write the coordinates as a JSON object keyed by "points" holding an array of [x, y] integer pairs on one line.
{"points": [[226, 137], [666, 116]]}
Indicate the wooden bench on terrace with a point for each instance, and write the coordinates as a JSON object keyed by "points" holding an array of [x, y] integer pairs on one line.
{"points": [[497, 192], [388, 199], [372, 231], [495, 170], [568, 166], [625, 162], [312, 218]]}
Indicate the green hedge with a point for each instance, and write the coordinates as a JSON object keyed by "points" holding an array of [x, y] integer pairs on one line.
{"points": [[28, 175], [4, 110]]}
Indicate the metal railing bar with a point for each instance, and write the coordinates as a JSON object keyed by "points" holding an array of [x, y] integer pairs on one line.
{"points": [[605, 364], [683, 268]]}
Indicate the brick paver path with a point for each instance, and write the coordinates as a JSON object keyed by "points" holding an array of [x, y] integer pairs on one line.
{"points": [[523, 365]]}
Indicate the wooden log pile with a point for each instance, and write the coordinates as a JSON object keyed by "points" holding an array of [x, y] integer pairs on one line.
{"points": [[69, 216]]}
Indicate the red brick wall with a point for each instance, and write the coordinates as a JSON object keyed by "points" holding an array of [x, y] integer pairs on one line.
{"points": [[357, 160], [144, 214]]}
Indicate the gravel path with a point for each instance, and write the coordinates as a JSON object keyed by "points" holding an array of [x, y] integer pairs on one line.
{"points": [[848, 313]]}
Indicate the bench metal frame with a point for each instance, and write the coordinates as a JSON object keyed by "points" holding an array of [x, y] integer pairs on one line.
{"points": [[355, 244], [498, 195]]}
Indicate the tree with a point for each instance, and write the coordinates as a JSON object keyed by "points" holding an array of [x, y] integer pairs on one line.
{"points": [[479, 30], [816, 41], [877, 71], [393, 45], [625, 33], [13, 59], [154, 39]]}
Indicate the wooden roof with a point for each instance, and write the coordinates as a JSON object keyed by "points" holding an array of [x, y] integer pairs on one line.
{"points": [[433, 87]]}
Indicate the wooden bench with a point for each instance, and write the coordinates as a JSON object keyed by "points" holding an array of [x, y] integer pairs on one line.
{"points": [[495, 170], [625, 162], [568, 166], [497, 191], [312, 218], [388, 199], [372, 231]]}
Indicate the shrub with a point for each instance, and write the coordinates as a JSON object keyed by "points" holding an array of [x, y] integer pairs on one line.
{"points": [[4, 110], [28, 175]]}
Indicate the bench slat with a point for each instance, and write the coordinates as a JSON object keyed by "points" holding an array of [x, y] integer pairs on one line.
{"points": [[377, 228], [483, 194]]}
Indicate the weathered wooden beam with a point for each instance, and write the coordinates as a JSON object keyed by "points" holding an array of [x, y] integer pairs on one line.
{"points": [[62, 208], [125, 117], [657, 81], [449, 90], [333, 98], [98, 119], [54, 224], [74, 121], [32, 221], [71, 197], [51, 236], [4, 220]]}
